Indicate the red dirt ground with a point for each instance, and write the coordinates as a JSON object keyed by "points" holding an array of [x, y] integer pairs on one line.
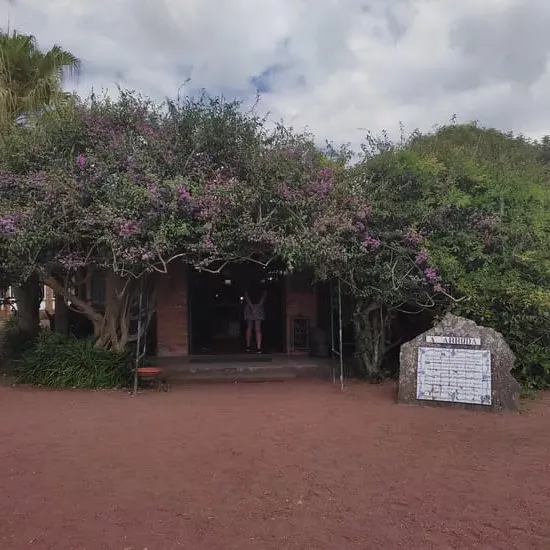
{"points": [[295, 465]]}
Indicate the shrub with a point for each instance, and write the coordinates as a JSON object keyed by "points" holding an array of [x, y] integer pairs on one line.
{"points": [[13, 343], [59, 361]]}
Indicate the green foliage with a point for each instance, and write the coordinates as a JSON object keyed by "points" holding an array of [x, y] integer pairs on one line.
{"points": [[65, 362], [520, 310], [30, 79], [481, 199], [13, 341]]}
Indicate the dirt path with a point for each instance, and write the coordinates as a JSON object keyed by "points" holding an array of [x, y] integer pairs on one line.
{"points": [[295, 465]]}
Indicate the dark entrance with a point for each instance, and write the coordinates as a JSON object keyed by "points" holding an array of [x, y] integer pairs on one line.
{"points": [[216, 301]]}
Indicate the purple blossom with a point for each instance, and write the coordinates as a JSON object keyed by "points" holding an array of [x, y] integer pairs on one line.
{"points": [[325, 174], [70, 260], [364, 213], [285, 192], [431, 274], [414, 238], [127, 228], [292, 152], [81, 160], [208, 243], [359, 227], [8, 224], [147, 130], [153, 190], [421, 257], [183, 194], [324, 183], [487, 222], [371, 243]]}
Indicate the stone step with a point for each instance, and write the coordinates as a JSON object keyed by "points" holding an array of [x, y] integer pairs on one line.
{"points": [[244, 368], [220, 376], [232, 358], [243, 371]]}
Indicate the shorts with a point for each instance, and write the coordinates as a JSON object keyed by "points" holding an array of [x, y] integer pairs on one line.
{"points": [[254, 314]]}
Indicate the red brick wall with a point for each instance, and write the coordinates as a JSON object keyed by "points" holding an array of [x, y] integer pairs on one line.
{"points": [[299, 304], [172, 317]]}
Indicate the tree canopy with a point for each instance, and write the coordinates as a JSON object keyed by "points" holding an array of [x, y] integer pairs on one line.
{"points": [[457, 219]]}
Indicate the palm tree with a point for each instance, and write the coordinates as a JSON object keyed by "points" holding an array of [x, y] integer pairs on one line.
{"points": [[30, 79]]}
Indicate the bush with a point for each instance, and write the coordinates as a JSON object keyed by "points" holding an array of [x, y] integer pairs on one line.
{"points": [[13, 343], [56, 360], [520, 310]]}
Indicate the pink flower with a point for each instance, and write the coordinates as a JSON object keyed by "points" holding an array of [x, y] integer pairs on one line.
{"points": [[431, 274], [371, 243], [325, 174], [128, 228], [285, 192], [183, 194], [8, 224], [208, 243], [421, 257], [81, 160], [414, 238]]}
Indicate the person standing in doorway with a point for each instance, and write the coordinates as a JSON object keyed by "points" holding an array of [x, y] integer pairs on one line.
{"points": [[254, 315]]}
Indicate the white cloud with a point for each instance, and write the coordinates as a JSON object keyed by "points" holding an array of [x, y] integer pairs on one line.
{"points": [[341, 65]]}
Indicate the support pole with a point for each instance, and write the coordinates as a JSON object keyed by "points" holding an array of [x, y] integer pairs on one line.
{"points": [[340, 335], [332, 332], [138, 339]]}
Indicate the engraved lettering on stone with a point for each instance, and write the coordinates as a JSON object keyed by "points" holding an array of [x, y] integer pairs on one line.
{"points": [[454, 375], [453, 340]]}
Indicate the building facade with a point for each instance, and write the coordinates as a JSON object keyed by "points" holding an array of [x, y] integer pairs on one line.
{"points": [[201, 313]]}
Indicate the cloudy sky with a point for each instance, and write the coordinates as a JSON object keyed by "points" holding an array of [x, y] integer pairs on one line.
{"points": [[333, 66]]}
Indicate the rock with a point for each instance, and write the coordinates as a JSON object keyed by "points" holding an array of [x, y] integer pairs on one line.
{"points": [[454, 371]]}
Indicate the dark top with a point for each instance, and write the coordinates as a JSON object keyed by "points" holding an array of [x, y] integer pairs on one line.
{"points": [[255, 293]]}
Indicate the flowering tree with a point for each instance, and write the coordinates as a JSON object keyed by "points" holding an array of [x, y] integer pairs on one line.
{"points": [[124, 188]]}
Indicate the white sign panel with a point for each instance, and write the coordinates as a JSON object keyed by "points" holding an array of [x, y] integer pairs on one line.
{"points": [[453, 340], [454, 375]]}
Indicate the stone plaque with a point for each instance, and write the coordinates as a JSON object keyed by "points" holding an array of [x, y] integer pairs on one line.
{"points": [[453, 340], [458, 363], [454, 375]]}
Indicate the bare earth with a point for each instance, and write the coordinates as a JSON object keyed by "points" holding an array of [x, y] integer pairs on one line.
{"points": [[294, 465]]}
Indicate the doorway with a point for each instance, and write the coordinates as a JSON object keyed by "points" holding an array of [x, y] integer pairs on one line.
{"points": [[216, 309]]}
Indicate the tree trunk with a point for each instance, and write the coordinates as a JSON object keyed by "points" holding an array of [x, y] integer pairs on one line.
{"points": [[27, 297], [61, 316], [111, 323], [114, 330], [370, 320]]}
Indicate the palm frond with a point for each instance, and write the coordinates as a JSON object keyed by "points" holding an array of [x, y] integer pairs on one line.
{"points": [[30, 79]]}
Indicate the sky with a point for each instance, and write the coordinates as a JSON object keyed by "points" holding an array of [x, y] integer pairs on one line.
{"points": [[333, 67]]}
